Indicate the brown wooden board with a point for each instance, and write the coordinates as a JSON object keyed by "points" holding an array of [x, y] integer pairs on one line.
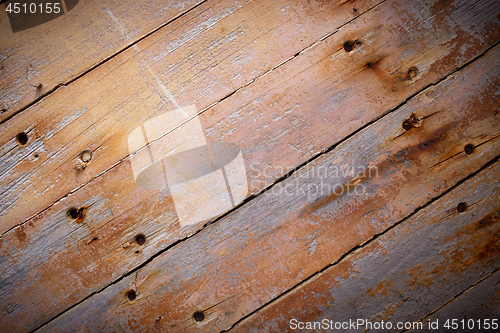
{"points": [[64, 47], [200, 59], [296, 228], [320, 83], [477, 307], [404, 274]]}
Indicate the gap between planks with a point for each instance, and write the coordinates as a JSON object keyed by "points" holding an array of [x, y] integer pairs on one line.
{"points": [[281, 179]]}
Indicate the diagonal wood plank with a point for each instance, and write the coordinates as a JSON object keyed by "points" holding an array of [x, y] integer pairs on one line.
{"points": [[404, 274], [98, 251], [60, 50], [200, 59], [299, 226]]}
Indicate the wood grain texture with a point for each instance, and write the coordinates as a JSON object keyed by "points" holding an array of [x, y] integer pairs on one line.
{"points": [[209, 54], [481, 301], [296, 228], [280, 121], [56, 52], [406, 273], [90, 255]]}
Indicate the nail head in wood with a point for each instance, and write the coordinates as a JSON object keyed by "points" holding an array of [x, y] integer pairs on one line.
{"points": [[22, 139], [73, 213], [198, 316], [349, 45], [407, 125], [412, 73], [131, 295], [76, 214], [140, 239], [86, 156], [461, 207], [469, 149]]}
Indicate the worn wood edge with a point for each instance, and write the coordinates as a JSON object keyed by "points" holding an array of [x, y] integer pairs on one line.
{"points": [[476, 188], [91, 173], [129, 276], [13, 110]]}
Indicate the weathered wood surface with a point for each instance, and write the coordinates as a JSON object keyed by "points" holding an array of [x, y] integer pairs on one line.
{"points": [[480, 302], [200, 60], [60, 50], [406, 273], [92, 254], [281, 120], [246, 259]]}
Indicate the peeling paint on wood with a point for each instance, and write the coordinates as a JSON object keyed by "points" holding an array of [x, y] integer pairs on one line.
{"points": [[351, 116], [98, 111]]}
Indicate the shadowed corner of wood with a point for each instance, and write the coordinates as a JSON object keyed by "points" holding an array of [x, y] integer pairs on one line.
{"points": [[338, 191]]}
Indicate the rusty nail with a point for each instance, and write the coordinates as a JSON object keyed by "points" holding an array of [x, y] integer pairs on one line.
{"points": [[412, 121]]}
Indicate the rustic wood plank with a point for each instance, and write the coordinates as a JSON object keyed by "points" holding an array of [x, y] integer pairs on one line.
{"points": [[404, 274], [477, 303], [113, 219], [199, 59], [232, 267], [57, 51]]}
